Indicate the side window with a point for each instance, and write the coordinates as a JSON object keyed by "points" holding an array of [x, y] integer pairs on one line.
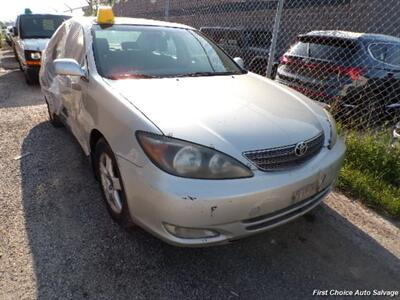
{"points": [[76, 44], [60, 38], [16, 27], [393, 55], [299, 49], [386, 53], [378, 51]]}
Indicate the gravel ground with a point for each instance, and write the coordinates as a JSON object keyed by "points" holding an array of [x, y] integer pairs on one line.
{"points": [[57, 241]]}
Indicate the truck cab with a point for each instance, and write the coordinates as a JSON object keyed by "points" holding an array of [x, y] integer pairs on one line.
{"points": [[31, 34]]}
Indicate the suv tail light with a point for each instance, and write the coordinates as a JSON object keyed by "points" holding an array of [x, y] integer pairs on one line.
{"points": [[353, 72], [285, 60]]}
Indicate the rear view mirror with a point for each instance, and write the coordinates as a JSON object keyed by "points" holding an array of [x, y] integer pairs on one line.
{"points": [[239, 61], [69, 67], [14, 31]]}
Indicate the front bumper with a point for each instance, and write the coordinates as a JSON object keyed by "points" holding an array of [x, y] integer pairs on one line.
{"points": [[233, 208]]}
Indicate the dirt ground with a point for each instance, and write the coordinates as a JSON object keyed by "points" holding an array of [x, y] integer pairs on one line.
{"points": [[57, 241]]}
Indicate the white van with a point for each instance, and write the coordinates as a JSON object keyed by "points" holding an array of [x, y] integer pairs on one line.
{"points": [[31, 35]]}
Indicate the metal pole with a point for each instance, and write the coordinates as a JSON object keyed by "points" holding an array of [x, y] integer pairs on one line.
{"points": [[167, 10], [275, 32]]}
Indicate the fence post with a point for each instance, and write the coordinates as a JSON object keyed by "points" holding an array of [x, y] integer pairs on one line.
{"points": [[275, 33], [166, 10]]}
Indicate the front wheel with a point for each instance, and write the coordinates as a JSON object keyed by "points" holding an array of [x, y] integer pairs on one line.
{"points": [[107, 172]]}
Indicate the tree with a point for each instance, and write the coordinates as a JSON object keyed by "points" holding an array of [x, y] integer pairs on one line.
{"points": [[94, 4]]}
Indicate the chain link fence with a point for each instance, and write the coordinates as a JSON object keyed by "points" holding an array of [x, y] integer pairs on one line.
{"points": [[345, 53]]}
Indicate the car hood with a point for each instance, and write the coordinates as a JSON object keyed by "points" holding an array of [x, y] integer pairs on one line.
{"points": [[35, 44], [231, 113]]}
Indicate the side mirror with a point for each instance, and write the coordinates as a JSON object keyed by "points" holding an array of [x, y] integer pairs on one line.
{"points": [[14, 31], [396, 131], [396, 134], [68, 66], [239, 61]]}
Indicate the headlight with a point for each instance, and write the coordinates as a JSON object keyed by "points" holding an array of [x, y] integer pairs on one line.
{"points": [[190, 160], [36, 55], [333, 133]]}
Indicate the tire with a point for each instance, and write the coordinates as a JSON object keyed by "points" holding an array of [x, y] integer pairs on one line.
{"points": [[53, 118], [105, 166], [29, 79]]}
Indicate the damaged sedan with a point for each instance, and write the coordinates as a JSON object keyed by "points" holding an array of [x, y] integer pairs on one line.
{"points": [[183, 141]]}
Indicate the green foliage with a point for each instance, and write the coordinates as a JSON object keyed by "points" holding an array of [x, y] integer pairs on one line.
{"points": [[371, 153], [371, 190], [372, 170]]}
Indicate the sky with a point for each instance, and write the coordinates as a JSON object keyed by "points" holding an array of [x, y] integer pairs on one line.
{"points": [[13, 8]]}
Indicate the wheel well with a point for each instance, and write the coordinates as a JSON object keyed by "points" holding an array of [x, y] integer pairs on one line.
{"points": [[95, 136]]}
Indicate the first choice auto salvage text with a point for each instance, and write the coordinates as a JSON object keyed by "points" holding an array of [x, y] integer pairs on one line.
{"points": [[385, 293]]}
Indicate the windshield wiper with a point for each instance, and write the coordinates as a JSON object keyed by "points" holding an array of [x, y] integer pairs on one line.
{"points": [[198, 74], [36, 37], [131, 76]]}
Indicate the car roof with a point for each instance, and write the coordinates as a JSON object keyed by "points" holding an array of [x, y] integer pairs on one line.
{"points": [[90, 21], [354, 36]]}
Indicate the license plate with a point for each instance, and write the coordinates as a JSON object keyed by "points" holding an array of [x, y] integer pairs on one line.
{"points": [[305, 192]]}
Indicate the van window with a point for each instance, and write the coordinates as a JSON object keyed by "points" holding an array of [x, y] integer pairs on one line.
{"points": [[39, 26]]}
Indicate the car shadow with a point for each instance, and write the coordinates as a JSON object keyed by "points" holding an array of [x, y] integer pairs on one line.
{"points": [[78, 252]]}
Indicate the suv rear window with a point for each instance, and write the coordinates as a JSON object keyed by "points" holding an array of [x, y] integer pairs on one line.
{"points": [[323, 49], [330, 52]]}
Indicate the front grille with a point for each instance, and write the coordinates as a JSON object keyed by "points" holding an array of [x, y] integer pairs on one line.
{"points": [[281, 158]]}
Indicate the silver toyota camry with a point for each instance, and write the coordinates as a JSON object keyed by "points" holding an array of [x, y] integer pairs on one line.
{"points": [[184, 142]]}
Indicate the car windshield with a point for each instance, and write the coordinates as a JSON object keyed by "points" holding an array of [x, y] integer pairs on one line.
{"points": [[39, 26], [130, 51]]}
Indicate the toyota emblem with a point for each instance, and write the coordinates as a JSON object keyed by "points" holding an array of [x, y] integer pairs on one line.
{"points": [[300, 149]]}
